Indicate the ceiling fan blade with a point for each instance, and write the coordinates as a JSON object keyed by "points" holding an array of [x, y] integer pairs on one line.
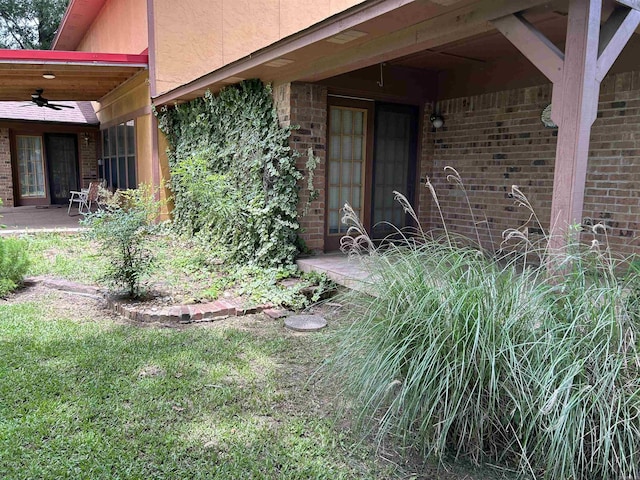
{"points": [[52, 106], [59, 105]]}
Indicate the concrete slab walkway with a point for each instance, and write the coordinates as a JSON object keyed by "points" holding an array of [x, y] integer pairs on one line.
{"points": [[53, 218], [342, 269]]}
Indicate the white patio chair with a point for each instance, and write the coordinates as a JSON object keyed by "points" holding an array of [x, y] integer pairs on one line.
{"points": [[84, 198]]}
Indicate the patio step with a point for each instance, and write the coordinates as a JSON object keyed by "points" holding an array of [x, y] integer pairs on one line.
{"points": [[342, 269]]}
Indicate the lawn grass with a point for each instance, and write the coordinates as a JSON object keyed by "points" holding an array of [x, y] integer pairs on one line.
{"points": [[70, 256], [97, 399], [182, 269], [84, 396], [180, 265]]}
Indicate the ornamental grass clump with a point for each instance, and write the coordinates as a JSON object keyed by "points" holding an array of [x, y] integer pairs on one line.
{"points": [[462, 353]]}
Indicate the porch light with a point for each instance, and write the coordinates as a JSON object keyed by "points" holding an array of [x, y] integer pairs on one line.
{"points": [[48, 76], [436, 120]]}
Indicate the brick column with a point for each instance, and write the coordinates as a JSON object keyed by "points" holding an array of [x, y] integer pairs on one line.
{"points": [[305, 105], [6, 178], [88, 158]]}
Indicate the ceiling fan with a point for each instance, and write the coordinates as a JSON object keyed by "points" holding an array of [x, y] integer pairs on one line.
{"points": [[39, 100]]}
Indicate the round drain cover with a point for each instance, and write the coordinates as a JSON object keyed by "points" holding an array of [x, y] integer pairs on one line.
{"points": [[305, 323]]}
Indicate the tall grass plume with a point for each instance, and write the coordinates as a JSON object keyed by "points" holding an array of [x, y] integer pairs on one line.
{"points": [[459, 351]]}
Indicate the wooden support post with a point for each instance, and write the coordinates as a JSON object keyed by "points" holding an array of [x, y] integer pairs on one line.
{"points": [[575, 114], [576, 78]]}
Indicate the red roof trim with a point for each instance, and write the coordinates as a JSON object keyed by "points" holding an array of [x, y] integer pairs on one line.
{"points": [[60, 56]]}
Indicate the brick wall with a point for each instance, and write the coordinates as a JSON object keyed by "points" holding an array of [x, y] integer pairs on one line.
{"points": [[425, 167], [6, 180], [305, 105], [497, 140], [88, 159]]}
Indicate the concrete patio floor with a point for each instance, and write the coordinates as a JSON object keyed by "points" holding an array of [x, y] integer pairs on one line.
{"points": [[52, 218], [342, 269]]}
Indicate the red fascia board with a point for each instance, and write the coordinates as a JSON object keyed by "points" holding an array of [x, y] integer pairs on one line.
{"points": [[60, 56]]}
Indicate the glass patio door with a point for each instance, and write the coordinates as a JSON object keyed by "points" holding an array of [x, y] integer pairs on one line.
{"points": [[371, 151], [31, 170], [347, 153], [394, 166], [62, 153]]}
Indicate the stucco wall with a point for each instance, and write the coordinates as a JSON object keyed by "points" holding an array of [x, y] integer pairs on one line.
{"points": [[496, 140], [120, 27], [221, 31]]}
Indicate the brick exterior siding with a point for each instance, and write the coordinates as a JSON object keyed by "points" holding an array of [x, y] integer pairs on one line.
{"points": [[494, 141], [88, 158], [6, 180], [497, 140], [305, 105]]}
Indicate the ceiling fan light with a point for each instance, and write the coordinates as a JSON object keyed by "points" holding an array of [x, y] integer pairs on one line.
{"points": [[48, 76]]}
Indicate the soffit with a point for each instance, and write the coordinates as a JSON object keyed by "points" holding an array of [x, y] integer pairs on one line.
{"points": [[427, 35], [391, 28], [78, 75]]}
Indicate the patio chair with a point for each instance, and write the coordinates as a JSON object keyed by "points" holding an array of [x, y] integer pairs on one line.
{"points": [[84, 198]]}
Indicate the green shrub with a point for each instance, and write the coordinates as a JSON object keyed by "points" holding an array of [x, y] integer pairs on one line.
{"points": [[122, 228], [282, 286], [14, 263], [233, 174], [459, 353]]}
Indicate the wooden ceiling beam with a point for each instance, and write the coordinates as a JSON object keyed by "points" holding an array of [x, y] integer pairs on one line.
{"points": [[633, 4], [533, 44], [614, 35]]}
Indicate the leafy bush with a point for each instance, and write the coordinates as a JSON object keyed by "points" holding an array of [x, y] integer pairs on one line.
{"points": [[461, 353], [233, 174], [270, 285], [14, 263], [122, 228]]}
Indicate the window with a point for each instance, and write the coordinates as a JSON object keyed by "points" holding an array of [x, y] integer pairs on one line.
{"points": [[30, 166], [119, 156]]}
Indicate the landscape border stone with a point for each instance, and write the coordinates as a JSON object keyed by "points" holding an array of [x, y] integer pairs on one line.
{"points": [[131, 310]]}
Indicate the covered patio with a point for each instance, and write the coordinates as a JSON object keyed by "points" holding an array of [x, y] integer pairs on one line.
{"points": [[53, 146], [31, 219]]}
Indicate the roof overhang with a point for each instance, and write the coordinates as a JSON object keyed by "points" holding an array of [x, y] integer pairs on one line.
{"points": [[77, 19], [366, 34], [78, 75]]}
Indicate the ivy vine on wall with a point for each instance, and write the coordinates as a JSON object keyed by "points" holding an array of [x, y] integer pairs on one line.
{"points": [[233, 174]]}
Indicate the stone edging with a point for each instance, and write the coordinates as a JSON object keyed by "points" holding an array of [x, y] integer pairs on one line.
{"points": [[197, 312]]}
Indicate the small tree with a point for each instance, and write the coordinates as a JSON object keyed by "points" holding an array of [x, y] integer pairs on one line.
{"points": [[122, 229]]}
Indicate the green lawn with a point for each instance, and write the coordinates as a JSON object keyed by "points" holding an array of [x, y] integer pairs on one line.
{"points": [[86, 396], [97, 399]]}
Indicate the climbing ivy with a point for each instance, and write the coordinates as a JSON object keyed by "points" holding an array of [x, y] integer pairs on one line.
{"points": [[233, 174]]}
